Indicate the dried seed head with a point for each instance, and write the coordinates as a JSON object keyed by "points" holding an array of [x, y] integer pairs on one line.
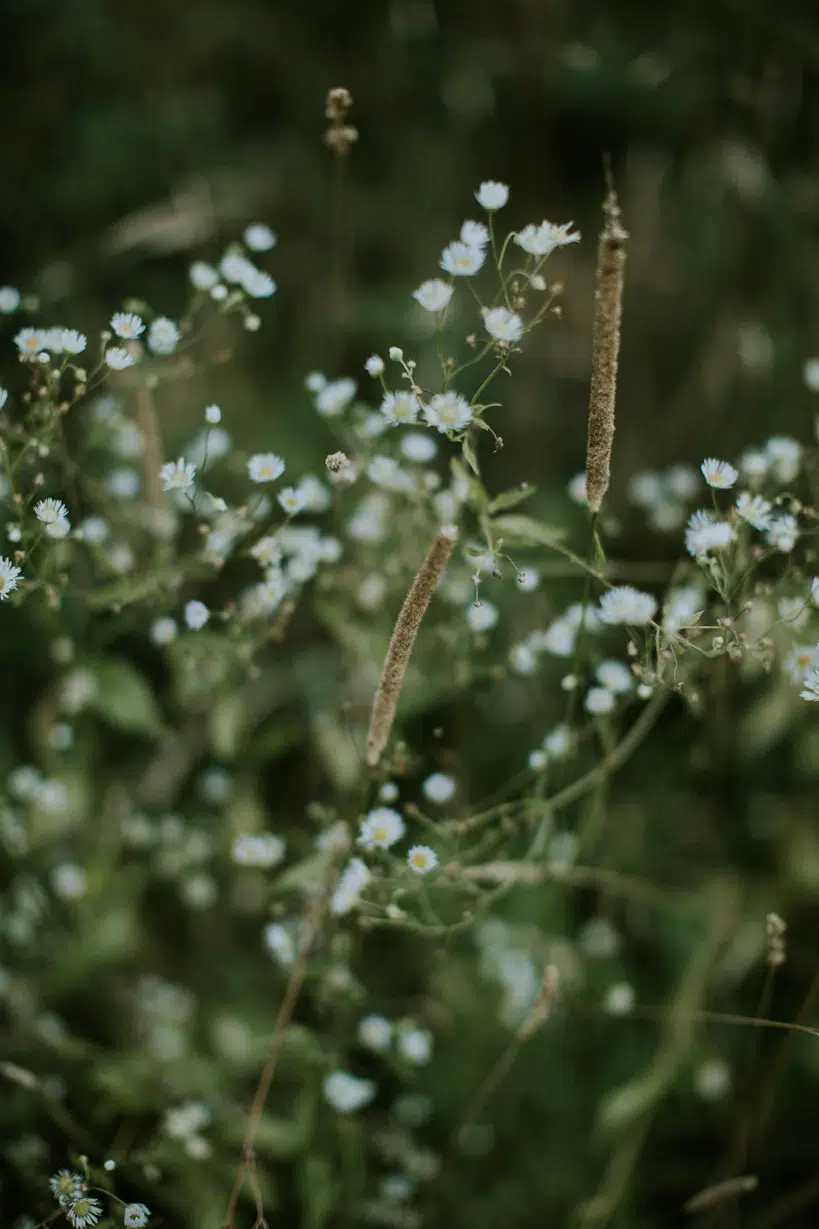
{"points": [[336, 461], [338, 103], [608, 300]]}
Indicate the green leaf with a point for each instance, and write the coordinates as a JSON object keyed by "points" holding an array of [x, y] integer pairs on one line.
{"points": [[527, 531], [125, 700], [510, 499], [470, 454]]}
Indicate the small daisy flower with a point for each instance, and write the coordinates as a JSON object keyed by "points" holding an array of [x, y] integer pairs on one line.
{"points": [[375, 1032], [127, 325], [543, 239], [753, 464], [599, 700], [177, 475], [50, 510], [9, 575], [439, 788], [627, 605], [84, 1211], [474, 234], [754, 510], [811, 688], [260, 238], [492, 195], [615, 676], [381, 828], [9, 300], [504, 326], [351, 883], [118, 358], [418, 447], [213, 415], [374, 366], [203, 276], [461, 260], [802, 659], [783, 533], [421, 859], [163, 630], [334, 396], [400, 408], [291, 500], [65, 1185], [433, 295], [415, 1045], [72, 341], [482, 617], [30, 342], [704, 533], [448, 412], [135, 1216], [785, 456], [347, 1093], [619, 999], [196, 615], [261, 852], [163, 336], [718, 474], [258, 285], [265, 467]]}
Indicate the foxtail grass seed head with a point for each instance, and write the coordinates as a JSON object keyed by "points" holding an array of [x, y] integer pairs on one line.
{"points": [[608, 299], [340, 135], [415, 606]]}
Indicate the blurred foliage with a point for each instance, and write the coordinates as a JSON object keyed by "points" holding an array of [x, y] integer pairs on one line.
{"points": [[140, 136]]}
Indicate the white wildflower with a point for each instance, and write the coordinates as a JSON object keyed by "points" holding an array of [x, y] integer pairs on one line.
{"points": [[577, 488], [163, 336], [400, 408], [351, 883], [718, 474], [619, 999], [448, 412], [50, 510], [259, 238], [712, 1080], [375, 1032], [347, 1093], [439, 787], [127, 325], [196, 615], [9, 300], [418, 447], [433, 295], [802, 659], [461, 260], [334, 397], [265, 467], [262, 851], [135, 1216], [599, 700], [492, 195], [381, 828], [785, 456], [504, 326], [279, 941], [543, 239], [118, 358], [177, 475], [421, 859], [83, 1211], [625, 604], [705, 533], [783, 532], [72, 341], [213, 414], [163, 630], [203, 276], [30, 342], [474, 234], [482, 616], [9, 575], [615, 676], [811, 689], [291, 500], [415, 1045], [374, 366], [754, 510]]}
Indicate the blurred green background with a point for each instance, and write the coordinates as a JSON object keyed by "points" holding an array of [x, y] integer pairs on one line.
{"points": [[140, 136]]}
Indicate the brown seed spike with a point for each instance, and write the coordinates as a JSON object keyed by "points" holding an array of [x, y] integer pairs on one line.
{"points": [[608, 303]]}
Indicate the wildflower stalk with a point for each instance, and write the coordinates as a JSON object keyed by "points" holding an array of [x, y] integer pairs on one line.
{"points": [[152, 456], [608, 300], [406, 628]]}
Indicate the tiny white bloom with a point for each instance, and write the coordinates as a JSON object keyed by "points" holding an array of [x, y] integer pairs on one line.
{"points": [[94, 530], [72, 341], [279, 941], [334, 396], [482, 616], [399, 408], [559, 742], [259, 238], [811, 689], [203, 276], [65, 1185], [265, 467], [577, 488], [351, 883], [163, 336], [461, 260], [439, 787], [615, 676], [163, 630], [415, 1045], [374, 365], [196, 615], [258, 285], [375, 1032], [718, 474], [213, 414], [177, 475], [347, 1093], [135, 1216], [127, 325], [291, 500], [713, 1079], [619, 999], [474, 234], [625, 604], [418, 447], [753, 464], [802, 659], [421, 859], [315, 381], [705, 533], [504, 326], [754, 510], [9, 299], [448, 412], [381, 828], [599, 700], [83, 1211], [262, 851], [785, 456], [543, 239], [783, 532], [50, 510], [433, 295], [118, 358], [645, 489], [30, 342], [386, 472], [492, 195], [529, 580]]}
